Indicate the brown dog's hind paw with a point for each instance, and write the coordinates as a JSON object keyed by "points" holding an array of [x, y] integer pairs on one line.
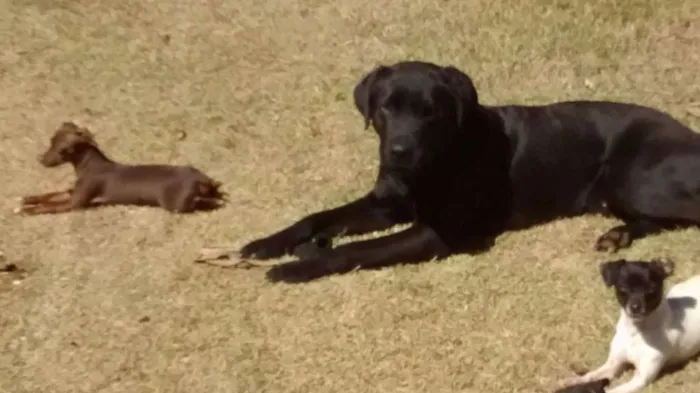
{"points": [[613, 240]]}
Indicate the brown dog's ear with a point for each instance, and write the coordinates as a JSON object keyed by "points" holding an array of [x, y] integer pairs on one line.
{"points": [[364, 92], [463, 88], [85, 133], [610, 271], [663, 267], [68, 126]]}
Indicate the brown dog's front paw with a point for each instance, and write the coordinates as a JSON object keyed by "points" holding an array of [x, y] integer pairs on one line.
{"points": [[613, 240]]}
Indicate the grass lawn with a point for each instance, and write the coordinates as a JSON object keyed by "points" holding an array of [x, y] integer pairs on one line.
{"points": [[110, 300]]}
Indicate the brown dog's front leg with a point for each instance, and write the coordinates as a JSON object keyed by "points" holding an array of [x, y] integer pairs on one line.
{"points": [[81, 197], [50, 197], [47, 208]]}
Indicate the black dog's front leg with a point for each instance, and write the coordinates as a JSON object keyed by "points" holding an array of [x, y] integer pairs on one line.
{"points": [[415, 244], [366, 214]]}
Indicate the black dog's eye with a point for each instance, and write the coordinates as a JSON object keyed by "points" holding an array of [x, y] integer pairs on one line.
{"points": [[429, 111]]}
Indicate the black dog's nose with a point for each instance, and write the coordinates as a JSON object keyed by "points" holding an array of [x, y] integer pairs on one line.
{"points": [[635, 307], [399, 150]]}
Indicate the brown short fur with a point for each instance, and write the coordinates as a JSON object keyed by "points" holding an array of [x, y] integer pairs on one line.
{"points": [[101, 181]]}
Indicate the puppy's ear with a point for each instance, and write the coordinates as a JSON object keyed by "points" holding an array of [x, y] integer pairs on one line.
{"points": [[463, 88], [364, 92], [663, 267], [610, 271]]}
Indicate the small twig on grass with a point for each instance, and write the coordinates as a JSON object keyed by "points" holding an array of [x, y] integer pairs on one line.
{"points": [[228, 257]]}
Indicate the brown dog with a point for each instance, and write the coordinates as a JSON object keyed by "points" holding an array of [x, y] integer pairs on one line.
{"points": [[101, 181]]}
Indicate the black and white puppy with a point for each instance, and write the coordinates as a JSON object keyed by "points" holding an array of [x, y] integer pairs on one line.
{"points": [[654, 331]]}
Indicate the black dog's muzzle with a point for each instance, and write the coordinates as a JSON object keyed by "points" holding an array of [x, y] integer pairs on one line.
{"points": [[401, 152]]}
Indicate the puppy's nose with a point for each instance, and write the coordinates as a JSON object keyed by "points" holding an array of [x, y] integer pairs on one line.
{"points": [[635, 307], [399, 150]]}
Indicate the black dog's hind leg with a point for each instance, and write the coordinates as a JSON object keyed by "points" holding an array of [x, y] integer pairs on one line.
{"points": [[622, 236], [415, 244], [366, 214]]}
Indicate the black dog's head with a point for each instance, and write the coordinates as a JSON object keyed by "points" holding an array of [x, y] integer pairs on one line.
{"points": [[414, 106], [639, 286]]}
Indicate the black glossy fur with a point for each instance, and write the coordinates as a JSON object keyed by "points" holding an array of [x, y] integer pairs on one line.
{"points": [[589, 387], [463, 173]]}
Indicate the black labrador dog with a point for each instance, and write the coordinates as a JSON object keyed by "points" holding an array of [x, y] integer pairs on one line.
{"points": [[462, 173]]}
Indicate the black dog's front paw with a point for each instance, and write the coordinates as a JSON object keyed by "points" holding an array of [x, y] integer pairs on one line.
{"points": [[266, 248], [614, 239], [318, 247], [306, 270]]}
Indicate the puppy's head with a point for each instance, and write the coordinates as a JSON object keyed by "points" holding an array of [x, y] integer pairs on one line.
{"points": [[639, 286], [414, 107], [67, 144]]}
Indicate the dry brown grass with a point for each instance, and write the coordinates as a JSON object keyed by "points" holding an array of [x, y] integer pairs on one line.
{"points": [[263, 90]]}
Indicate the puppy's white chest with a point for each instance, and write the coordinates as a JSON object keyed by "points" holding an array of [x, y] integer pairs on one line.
{"points": [[631, 347]]}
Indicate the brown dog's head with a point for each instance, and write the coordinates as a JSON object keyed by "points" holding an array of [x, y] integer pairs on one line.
{"points": [[67, 145]]}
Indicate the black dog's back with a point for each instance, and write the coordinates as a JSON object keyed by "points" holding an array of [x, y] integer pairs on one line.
{"points": [[559, 150], [589, 387]]}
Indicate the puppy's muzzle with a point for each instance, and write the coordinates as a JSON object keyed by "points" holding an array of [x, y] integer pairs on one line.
{"points": [[636, 309]]}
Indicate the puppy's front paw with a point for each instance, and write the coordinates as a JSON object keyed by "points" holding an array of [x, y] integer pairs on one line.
{"points": [[613, 240], [581, 385], [568, 382]]}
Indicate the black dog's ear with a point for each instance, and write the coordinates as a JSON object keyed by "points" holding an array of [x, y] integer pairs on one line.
{"points": [[364, 92], [610, 271], [663, 267], [463, 88]]}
